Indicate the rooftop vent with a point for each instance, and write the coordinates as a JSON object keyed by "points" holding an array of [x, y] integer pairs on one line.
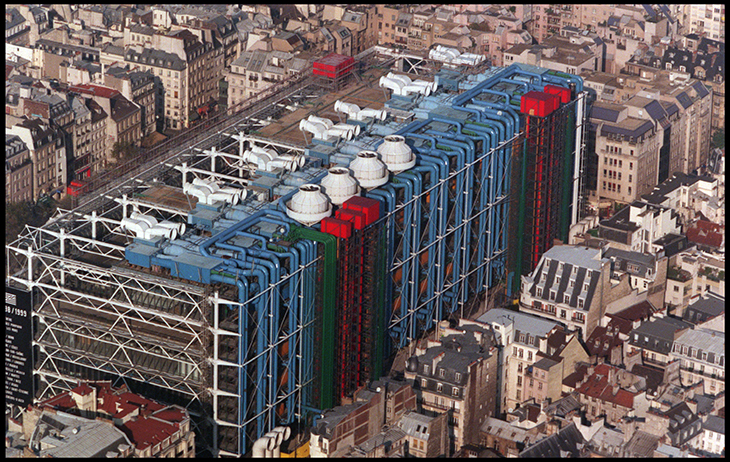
{"points": [[369, 171], [396, 154], [339, 185], [309, 205]]}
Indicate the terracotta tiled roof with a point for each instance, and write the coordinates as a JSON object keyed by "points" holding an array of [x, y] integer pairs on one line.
{"points": [[96, 90], [148, 431], [706, 233], [597, 386]]}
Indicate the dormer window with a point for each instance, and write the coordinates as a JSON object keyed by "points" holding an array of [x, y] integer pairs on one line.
{"points": [[441, 372], [425, 368], [457, 376]]}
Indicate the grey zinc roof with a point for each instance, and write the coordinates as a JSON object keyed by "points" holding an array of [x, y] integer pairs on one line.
{"points": [[505, 430], [608, 441], [523, 322], [715, 424], [655, 110], [660, 334], [705, 340], [389, 436], [713, 305], [331, 417], [629, 127], [700, 89], [684, 100], [91, 438], [545, 364], [415, 424], [583, 257], [641, 444], [563, 406], [559, 445], [604, 113], [644, 261]]}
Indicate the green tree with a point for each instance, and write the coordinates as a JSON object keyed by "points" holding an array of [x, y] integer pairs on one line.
{"points": [[19, 214], [124, 151], [718, 138]]}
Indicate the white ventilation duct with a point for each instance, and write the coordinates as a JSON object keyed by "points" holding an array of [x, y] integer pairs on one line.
{"points": [[279, 162], [198, 192], [258, 149], [408, 89], [339, 185], [396, 154], [158, 231], [278, 438], [211, 187], [257, 157], [285, 434], [354, 112], [395, 85], [381, 114], [403, 78], [431, 85], [309, 205], [369, 171], [179, 227], [326, 122], [223, 197], [319, 130], [348, 108], [151, 221], [241, 193], [262, 445], [340, 132], [355, 128], [299, 160], [138, 227]]}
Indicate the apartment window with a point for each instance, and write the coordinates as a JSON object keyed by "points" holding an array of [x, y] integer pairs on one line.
{"points": [[532, 383], [519, 395], [520, 353], [539, 385], [519, 380], [631, 164], [620, 164], [562, 314], [519, 368], [529, 355], [455, 391]]}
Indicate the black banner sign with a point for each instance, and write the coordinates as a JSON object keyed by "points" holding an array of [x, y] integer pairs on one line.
{"points": [[18, 348]]}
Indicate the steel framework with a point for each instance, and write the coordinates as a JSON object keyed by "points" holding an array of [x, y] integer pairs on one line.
{"points": [[250, 319]]}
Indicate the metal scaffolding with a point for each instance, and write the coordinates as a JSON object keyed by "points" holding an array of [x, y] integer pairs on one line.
{"points": [[250, 319]]}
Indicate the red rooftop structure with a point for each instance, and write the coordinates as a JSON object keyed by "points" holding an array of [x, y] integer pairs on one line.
{"points": [[146, 423]]}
